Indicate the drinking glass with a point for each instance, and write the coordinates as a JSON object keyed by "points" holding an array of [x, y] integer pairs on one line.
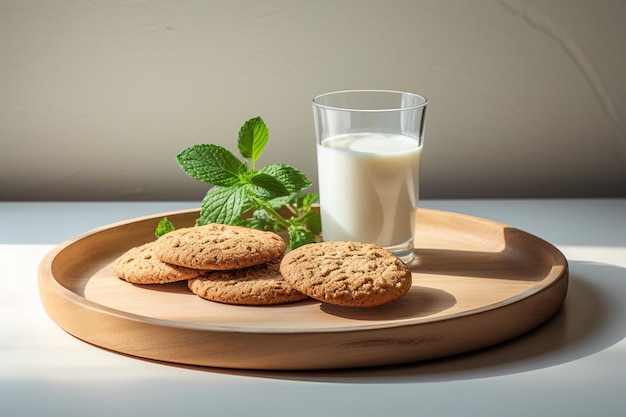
{"points": [[369, 150]]}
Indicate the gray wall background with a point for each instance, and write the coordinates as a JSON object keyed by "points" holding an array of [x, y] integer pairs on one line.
{"points": [[526, 98]]}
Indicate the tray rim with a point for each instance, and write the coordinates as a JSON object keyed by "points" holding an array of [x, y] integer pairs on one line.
{"points": [[50, 257]]}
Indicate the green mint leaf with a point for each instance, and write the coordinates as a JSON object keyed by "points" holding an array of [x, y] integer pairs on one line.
{"points": [[299, 236], [307, 200], [279, 202], [211, 163], [253, 137], [303, 201], [260, 219], [267, 186], [292, 178], [165, 226], [313, 221], [223, 205]]}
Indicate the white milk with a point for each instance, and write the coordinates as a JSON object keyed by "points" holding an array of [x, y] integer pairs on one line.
{"points": [[369, 187]]}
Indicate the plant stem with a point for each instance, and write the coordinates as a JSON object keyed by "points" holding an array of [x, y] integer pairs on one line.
{"points": [[277, 217]]}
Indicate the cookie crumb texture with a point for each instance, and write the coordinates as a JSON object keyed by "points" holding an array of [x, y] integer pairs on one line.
{"points": [[219, 247], [347, 273], [256, 285], [139, 265]]}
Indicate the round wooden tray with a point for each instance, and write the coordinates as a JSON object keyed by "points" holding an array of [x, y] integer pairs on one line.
{"points": [[475, 283]]}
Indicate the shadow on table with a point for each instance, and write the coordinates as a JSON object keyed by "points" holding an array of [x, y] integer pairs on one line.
{"points": [[590, 321]]}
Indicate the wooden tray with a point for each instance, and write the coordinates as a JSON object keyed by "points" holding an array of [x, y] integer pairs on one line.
{"points": [[475, 283]]}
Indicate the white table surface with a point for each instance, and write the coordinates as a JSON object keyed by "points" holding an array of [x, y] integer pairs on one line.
{"points": [[573, 365]]}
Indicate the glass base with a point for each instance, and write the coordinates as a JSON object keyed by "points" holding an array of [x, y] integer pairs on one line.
{"points": [[404, 251]]}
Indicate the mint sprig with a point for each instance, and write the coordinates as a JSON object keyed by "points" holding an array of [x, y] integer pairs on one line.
{"points": [[238, 187]]}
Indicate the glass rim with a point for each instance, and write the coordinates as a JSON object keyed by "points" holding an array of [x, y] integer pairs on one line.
{"points": [[423, 100]]}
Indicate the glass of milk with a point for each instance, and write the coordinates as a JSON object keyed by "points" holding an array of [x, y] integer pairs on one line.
{"points": [[369, 149]]}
